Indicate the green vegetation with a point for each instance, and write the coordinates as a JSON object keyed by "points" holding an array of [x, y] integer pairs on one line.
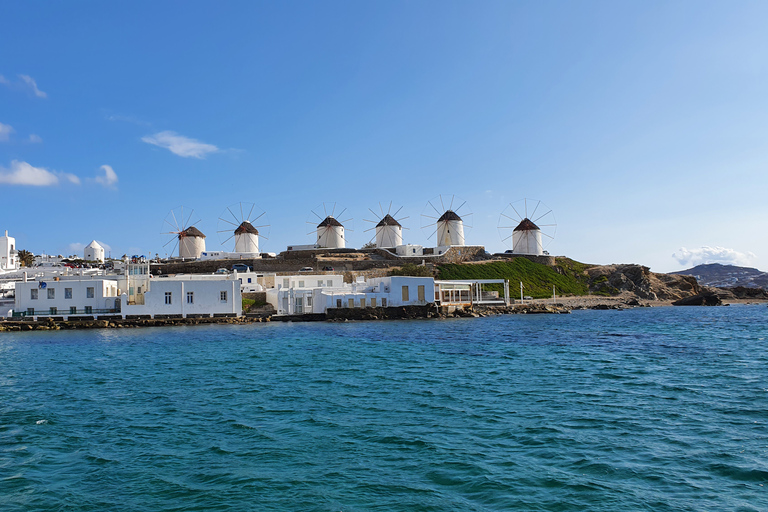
{"points": [[537, 279], [248, 304], [26, 258], [409, 269]]}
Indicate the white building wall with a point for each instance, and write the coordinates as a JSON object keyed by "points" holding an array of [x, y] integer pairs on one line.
{"points": [[191, 247], [105, 293], [409, 250], [206, 297], [389, 236], [331, 237], [247, 242], [8, 253], [93, 252], [450, 232], [527, 242]]}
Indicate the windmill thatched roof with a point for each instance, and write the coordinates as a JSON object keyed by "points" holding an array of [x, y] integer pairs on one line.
{"points": [[449, 215], [388, 220], [526, 225], [246, 227], [94, 245], [192, 231], [329, 221]]}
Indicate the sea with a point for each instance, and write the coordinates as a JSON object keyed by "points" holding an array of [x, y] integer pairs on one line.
{"points": [[659, 409]]}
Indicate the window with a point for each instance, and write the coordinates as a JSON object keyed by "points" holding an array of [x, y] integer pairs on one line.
{"points": [[299, 307], [88, 310], [89, 292], [405, 294], [301, 284], [329, 282], [309, 301], [33, 294], [421, 293], [351, 303], [319, 282], [67, 293], [169, 297], [51, 293], [190, 297], [373, 302], [72, 310], [383, 302], [338, 303], [249, 279], [53, 311], [223, 296], [30, 311], [286, 283], [362, 303]]}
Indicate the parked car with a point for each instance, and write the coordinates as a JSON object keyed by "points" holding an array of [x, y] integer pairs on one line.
{"points": [[307, 269], [241, 267], [327, 269], [222, 271]]}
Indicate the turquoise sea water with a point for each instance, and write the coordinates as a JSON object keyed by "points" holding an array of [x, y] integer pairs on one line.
{"points": [[647, 409]]}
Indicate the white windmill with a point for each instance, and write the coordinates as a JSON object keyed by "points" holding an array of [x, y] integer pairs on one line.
{"points": [[527, 226], [389, 231], [330, 231], [185, 236], [245, 223], [441, 217]]}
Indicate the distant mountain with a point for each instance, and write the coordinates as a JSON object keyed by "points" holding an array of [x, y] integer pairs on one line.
{"points": [[727, 276]]}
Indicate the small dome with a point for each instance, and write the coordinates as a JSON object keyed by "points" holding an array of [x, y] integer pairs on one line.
{"points": [[329, 221], [527, 225], [449, 215], [246, 227], [192, 231], [388, 220]]}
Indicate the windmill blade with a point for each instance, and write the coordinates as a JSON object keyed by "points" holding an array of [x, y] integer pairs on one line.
{"points": [[517, 212], [441, 202], [517, 220], [398, 211], [459, 208], [450, 206], [533, 213], [431, 217], [228, 222], [228, 239], [251, 211], [187, 224], [233, 216], [542, 216], [169, 241], [374, 213], [507, 238], [175, 221], [433, 207], [389, 210]]}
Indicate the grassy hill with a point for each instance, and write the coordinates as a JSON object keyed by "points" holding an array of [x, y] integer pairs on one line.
{"points": [[568, 277]]}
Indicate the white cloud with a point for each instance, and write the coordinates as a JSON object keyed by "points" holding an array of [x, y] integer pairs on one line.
{"points": [[706, 254], [75, 248], [5, 132], [4, 80], [22, 173], [180, 145], [33, 86], [109, 179], [35, 139]]}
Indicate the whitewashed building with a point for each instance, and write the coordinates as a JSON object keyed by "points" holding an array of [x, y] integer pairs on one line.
{"points": [[9, 255], [94, 251], [330, 234], [65, 296], [526, 238], [450, 229], [389, 232], [297, 295], [191, 243]]}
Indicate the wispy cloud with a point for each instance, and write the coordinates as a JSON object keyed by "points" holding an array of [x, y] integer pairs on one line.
{"points": [[126, 119], [706, 254], [35, 139], [76, 248], [5, 132], [25, 83], [22, 173], [180, 145], [109, 179]]}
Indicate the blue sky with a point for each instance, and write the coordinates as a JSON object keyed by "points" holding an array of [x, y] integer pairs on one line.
{"points": [[642, 125]]}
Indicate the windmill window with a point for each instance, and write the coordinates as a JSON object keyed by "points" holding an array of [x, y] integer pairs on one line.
{"points": [[67, 293], [51, 293], [33, 294], [169, 297], [89, 292]]}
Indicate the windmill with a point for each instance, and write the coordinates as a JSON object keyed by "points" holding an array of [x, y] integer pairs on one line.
{"points": [[184, 234], [527, 226], [244, 223], [446, 216], [330, 230], [389, 231]]}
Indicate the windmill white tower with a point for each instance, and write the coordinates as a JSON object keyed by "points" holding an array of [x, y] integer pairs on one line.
{"points": [[93, 252], [189, 239], [389, 231], [527, 226], [242, 222], [330, 230], [446, 222]]}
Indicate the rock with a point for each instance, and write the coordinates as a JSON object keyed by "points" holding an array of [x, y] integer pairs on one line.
{"points": [[701, 299]]}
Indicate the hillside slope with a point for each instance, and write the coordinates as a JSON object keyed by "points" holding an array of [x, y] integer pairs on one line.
{"points": [[722, 276]]}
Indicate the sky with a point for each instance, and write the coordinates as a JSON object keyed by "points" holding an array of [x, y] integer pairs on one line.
{"points": [[641, 125]]}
